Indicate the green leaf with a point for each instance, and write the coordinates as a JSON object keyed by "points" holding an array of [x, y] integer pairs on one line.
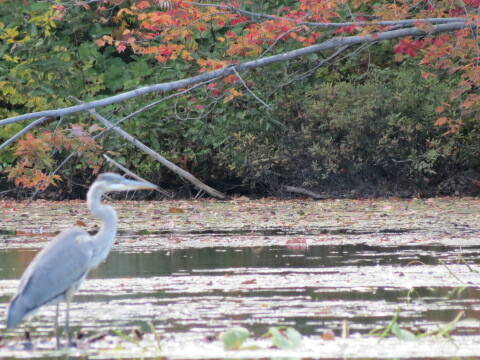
{"points": [[39, 6], [86, 51], [4, 48], [401, 333], [98, 30], [234, 338], [114, 79], [140, 68], [285, 338], [9, 130]]}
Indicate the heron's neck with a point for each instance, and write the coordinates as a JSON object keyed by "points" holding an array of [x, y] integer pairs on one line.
{"points": [[103, 240]]}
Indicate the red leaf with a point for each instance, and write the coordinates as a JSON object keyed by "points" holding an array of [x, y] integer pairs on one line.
{"points": [[142, 5], [121, 47], [239, 20], [346, 29]]}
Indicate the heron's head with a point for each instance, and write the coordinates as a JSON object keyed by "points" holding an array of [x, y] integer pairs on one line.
{"points": [[114, 182]]}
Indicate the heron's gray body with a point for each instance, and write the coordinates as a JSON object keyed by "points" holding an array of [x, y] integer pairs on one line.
{"points": [[58, 269], [53, 275]]}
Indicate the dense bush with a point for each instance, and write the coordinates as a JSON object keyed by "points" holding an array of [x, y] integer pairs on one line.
{"points": [[375, 135]]}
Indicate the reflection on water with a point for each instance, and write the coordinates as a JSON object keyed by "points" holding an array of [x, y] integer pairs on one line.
{"points": [[166, 262]]}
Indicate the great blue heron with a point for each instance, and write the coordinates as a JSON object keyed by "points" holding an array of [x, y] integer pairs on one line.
{"points": [[58, 269]]}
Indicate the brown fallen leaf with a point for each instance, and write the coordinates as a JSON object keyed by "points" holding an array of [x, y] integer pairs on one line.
{"points": [[80, 223], [175, 210], [328, 335]]}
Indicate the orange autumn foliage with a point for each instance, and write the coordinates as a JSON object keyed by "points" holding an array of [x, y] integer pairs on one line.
{"points": [[36, 154], [169, 29]]}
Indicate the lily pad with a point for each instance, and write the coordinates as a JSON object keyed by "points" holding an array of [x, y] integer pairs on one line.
{"points": [[234, 338]]}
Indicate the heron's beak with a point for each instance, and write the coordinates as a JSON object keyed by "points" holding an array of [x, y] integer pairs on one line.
{"points": [[128, 184]]}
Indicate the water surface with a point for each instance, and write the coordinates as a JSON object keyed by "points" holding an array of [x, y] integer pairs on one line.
{"points": [[192, 284]]}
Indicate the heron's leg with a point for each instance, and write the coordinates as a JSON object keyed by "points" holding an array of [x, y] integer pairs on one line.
{"points": [[67, 323], [56, 326]]}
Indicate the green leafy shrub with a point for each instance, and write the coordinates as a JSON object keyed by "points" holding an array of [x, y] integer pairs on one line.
{"points": [[375, 134]]}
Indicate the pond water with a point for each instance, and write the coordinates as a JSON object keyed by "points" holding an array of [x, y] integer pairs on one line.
{"points": [[192, 287], [199, 292]]}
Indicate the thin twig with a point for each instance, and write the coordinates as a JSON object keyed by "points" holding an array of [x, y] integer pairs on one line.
{"points": [[409, 22], [278, 38], [303, 191], [7, 191], [451, 272], [250, 91], [136, 112], [320, 64]]}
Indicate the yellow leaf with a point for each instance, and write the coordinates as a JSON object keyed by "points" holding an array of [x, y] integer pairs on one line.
{"points": [[228, 98], [13, 59], [11, 33], [124, 11], [186, 56], [234, 92], [24, 40]]}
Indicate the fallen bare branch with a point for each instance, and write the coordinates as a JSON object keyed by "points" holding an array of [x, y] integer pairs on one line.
{"points": [[303, 191], [104, 131], [23, 131], [177, 170], [185, 83], [250, 91]]}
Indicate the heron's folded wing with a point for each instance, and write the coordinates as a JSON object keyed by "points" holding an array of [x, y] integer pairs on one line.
{"points": [[57, 268]]}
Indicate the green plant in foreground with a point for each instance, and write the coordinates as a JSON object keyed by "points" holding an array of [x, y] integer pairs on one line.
{"points": [[394, 329], [126, 337], [410, 294], [282, 337], [234, 338], [445, 330], [156, 335], [135, 336]]}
